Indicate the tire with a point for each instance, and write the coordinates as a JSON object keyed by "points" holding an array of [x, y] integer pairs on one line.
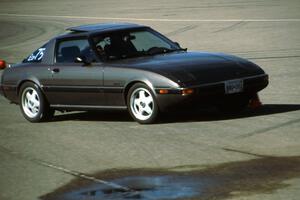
{"points": [[233, 104], [142, 104], [33, 104]]}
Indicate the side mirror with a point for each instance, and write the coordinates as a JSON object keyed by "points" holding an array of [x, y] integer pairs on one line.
{"points": [[177, 44], [2, 64], [83, 59]]}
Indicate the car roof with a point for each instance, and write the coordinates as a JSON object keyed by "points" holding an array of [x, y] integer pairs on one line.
{"points": [[86, 30], [103, 26]]}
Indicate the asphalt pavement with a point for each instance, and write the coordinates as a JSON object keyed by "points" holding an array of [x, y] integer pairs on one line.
{"points": [[40, 159]]}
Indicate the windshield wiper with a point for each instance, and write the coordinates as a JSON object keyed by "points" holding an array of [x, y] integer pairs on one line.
{"points": [[160, 50]]}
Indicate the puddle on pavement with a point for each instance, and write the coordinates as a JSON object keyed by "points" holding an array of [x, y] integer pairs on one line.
{"points": [[263, 175], [142, 187]]}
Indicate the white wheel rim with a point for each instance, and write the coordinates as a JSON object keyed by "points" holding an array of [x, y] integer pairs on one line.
{"points": [[30, 102], [141, 104]]}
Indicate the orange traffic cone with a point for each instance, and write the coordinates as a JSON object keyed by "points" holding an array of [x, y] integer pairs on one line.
{"points": [[255, 102]]}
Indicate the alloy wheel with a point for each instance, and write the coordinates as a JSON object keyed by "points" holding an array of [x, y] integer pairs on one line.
{"points": [[141, 103], [30, 102]]}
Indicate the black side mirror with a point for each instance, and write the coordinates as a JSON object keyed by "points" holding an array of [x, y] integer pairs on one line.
{"points": [[177, 44], [83, 59]]}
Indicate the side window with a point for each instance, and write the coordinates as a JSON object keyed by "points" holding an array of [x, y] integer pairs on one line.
{"points": [[36, 56], [68, 50]]}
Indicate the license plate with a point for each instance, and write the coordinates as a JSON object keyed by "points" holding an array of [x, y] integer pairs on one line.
{"points": [[234, 86]]}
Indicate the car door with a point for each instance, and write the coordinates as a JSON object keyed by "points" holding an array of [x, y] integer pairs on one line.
{"points": [[72, 83]]}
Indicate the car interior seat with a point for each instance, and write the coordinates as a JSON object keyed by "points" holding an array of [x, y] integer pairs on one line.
{"points": [[69, 54]]}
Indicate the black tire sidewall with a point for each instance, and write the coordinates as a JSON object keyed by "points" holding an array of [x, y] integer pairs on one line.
{"points": [[155, 112], [44, 107]]}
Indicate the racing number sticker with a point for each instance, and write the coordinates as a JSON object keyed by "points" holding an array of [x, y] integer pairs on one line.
{"points": [[37, 55]]}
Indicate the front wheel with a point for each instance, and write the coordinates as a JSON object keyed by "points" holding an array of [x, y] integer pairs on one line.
{"points": [[33, 104], [142, 104]]}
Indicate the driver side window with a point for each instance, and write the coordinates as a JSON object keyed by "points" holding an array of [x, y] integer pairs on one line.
{"points": [[68, 50]]}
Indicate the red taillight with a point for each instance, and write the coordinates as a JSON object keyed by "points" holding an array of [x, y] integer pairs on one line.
{"points": [[2, 64]]}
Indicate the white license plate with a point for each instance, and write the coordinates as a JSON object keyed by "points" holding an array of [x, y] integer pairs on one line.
{"points": [[234, 86]]}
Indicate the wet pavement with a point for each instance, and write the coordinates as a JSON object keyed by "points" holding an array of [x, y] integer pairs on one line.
{"points": [[262, 175], [143, 187]]}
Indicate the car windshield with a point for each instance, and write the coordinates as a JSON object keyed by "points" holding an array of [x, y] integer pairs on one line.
{"points": [[121, 45]]}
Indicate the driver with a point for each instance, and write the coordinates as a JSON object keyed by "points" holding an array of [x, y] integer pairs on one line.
{"points": [[101, 51]]}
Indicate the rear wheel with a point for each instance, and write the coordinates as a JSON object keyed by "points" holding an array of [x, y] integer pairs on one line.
{"points": [[142, 104], [33, 104]]}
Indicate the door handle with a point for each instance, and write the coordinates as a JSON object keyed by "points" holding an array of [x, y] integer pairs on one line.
{"points": [[55, 70]]}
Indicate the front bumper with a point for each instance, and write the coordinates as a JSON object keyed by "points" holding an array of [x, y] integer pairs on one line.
{"points": [[211, 92], [251, 85]]}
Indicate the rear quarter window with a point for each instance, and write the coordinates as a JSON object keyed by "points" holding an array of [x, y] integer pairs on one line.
{"points": [[36, 56]]}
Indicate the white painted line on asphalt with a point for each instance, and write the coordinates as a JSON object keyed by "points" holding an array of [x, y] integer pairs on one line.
{"points": [[150, 19], [65, 170]]}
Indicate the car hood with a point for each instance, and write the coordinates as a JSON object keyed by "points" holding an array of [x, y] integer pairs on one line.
{"points": [[191, 68]]}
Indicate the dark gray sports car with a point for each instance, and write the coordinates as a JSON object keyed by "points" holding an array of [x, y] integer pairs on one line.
{"points": [[126, 66]]}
